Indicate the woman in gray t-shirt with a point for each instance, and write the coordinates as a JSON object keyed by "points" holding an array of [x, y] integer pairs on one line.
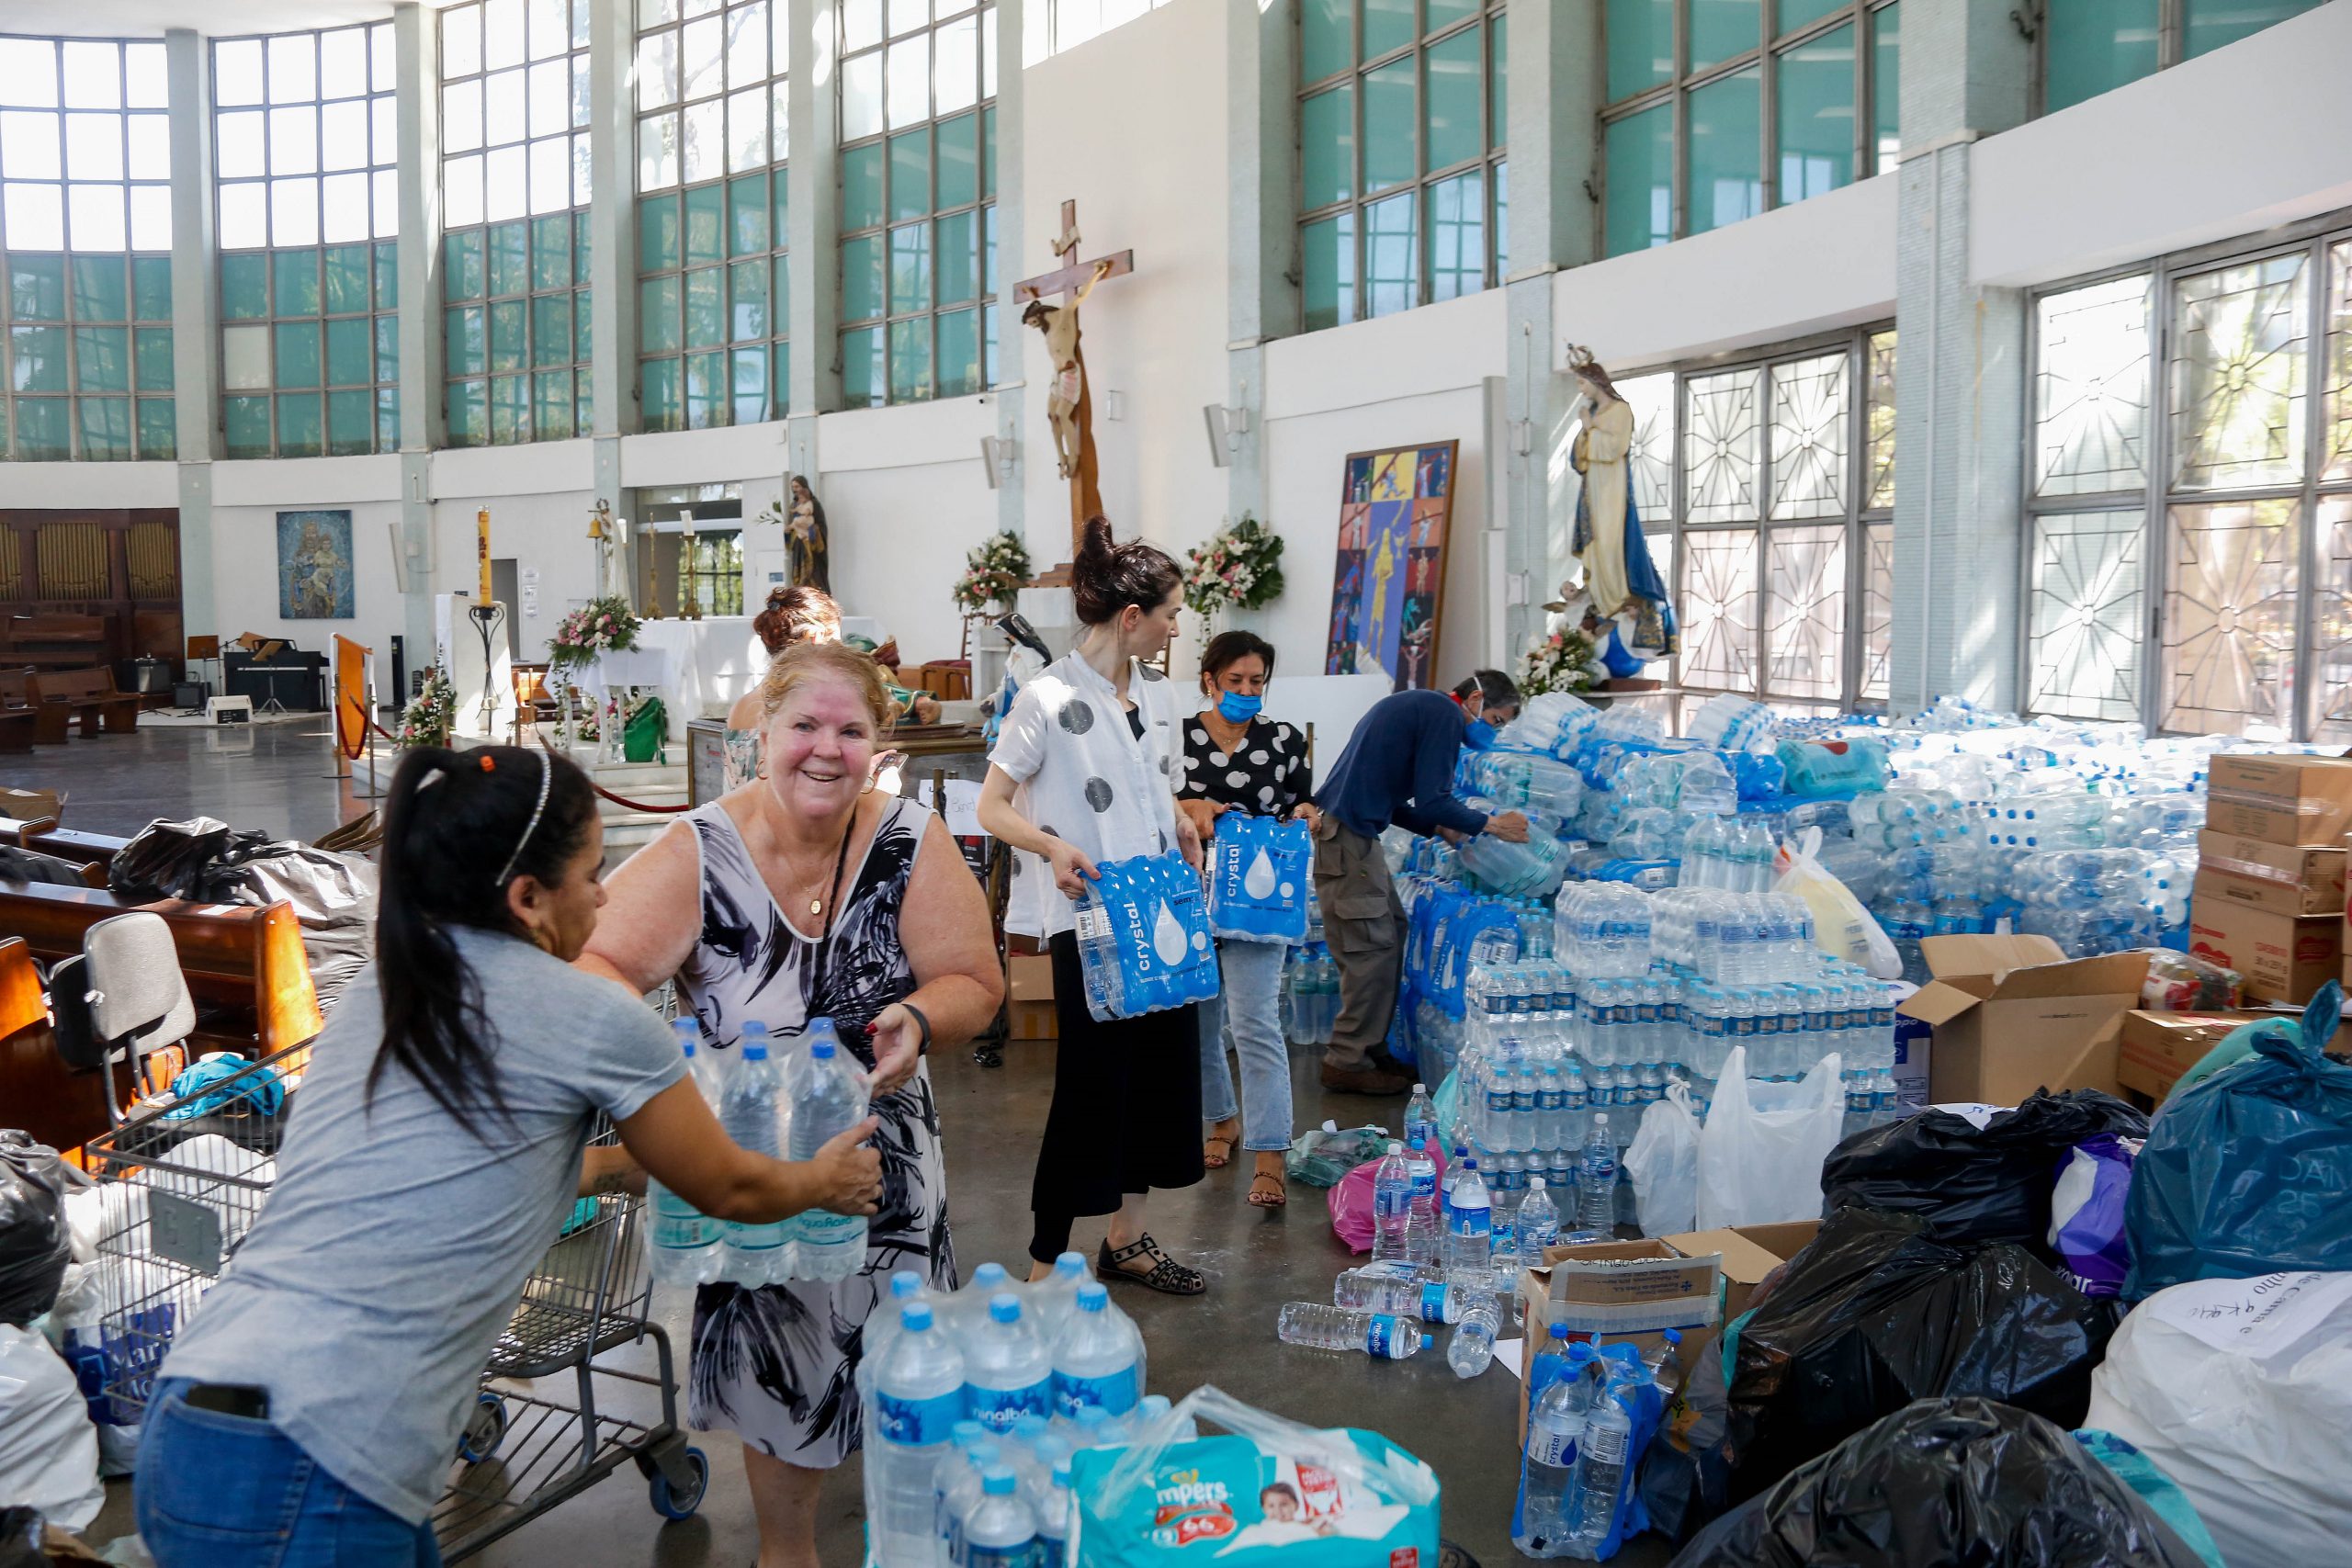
{"points": [[310, 1408]]}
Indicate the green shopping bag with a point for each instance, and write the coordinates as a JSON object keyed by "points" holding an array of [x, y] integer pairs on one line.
{"points": [[645, 730]]}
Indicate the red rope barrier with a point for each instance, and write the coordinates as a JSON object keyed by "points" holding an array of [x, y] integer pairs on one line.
{"points": [[635, 805]]}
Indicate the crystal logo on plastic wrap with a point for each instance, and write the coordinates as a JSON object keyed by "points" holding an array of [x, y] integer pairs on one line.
{"points": [[1259, 881], [1168, 937]]}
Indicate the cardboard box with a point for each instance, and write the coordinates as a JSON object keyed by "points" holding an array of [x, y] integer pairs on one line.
{"points": [[1030, 997], [1618, 1290], [2283, 958], [2156, 1048], [2012, 1014], [2312, 875], [2279, 799]]}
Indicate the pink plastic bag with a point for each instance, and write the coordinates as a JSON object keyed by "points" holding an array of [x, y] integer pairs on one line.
{"points": [[1350, 1201]]}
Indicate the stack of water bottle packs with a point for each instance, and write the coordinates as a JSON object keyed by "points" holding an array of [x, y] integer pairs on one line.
{"points": [[1259, 869], [1143, 937]]}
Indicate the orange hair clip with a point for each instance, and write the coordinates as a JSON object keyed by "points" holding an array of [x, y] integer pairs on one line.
{"points": [[490, 764]]}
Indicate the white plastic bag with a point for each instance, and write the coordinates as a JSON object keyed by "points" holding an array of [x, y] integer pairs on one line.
{"points": [[49, 1449], [1841, 927], [1760, 1152], [1663, 1164], [2230, 1386]]}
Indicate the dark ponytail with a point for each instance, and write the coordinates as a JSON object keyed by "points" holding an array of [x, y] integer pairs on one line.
{"points": [[452, 820], [1107, 578]]}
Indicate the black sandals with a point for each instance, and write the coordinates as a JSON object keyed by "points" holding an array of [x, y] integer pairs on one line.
{"points": [[1166, 1275]]}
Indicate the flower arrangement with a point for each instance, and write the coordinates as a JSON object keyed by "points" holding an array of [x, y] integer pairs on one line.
{"points": [[1559, 661], [598, 626], [1240, 566], [432, 715], [992, 574]]}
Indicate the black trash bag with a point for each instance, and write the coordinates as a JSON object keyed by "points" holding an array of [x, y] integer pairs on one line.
{"points": [[20, 867], [1946, 1482], [169, 860], [1876, 1313], [1974, 1186], [20, 1538], [35, 1246]]}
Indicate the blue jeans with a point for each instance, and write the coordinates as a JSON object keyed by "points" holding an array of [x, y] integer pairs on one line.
{"points": [[221, 1491], [1248, 1009]]}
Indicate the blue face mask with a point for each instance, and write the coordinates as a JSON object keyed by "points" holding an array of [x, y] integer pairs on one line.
{"points": [[1479, 736], [1234, 708]]}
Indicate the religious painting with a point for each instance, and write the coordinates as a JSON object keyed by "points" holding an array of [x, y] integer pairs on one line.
{"points": [[1389, 582], [314, 566]]}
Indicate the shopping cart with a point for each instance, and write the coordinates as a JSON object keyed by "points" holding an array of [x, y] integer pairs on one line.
{"points": [[187, 1182]]}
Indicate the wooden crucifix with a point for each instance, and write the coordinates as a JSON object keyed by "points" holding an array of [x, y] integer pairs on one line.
{"points": [[1069, 402]]}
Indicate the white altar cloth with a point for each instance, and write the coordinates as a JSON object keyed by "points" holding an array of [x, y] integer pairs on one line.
{"points": [[699, 667]]}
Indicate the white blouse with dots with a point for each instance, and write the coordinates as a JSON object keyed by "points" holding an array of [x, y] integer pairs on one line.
{"points": [[1085, 777]]}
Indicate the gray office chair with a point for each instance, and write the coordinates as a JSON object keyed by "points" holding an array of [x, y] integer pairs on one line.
{"points": [[137, 998]]}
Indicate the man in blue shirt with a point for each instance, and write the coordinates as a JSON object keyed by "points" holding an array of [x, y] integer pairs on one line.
{"points": [[1399, 767]]}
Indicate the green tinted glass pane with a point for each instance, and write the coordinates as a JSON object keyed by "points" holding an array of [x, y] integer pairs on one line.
{"points": [[1327, 148], [158, 428], [1387, 25], [910, 274], [657, 315], [347, 278], [244, 286], [246, 423], [1503, 219], [2091, 46], [301, 431], [780, 295], [1392, 254], [862, 279], [659, 394], [579, 258], [1641, 45], [1388, 121], [657, 247], [959, 155], [1722, 28], [705, 308], [1498, 80], [910, 361], [41, 425], [706, 224], [551, 400], [102, 360], [959, 265], [1640, 154], [387, 348], [1327, 271], [509, 410], [1886, 83], [780, 378], [706, 391], [551, 250], [351, 421], [750, 370], [987, 251], [101, 289], [387, 277], [1455, 129], [347, 357], [584, 399], [1817, 115], [747, 300], [153, 348], [583, 322], [911, 175], [1726, 136], [294, 282], [861, 188], [1458, 236], [862, 368], [509, 326], [747, 215], [551, 334], [469, 413], [959, 354], [463, 348], [298, 353], [37, 287], [388, 419], [461, 265], [106, 428], [988, 151], [1438, 14], [1794, 14], [780, 223], [510, 257], [1326, 44], [151, 288], [2213, 23], [36, 359]]}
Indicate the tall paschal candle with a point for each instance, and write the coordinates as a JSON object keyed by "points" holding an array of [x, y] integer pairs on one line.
{"points": [[481, 551]]}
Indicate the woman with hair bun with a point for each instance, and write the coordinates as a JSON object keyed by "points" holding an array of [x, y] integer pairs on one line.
{"points": [[1084, 771]]}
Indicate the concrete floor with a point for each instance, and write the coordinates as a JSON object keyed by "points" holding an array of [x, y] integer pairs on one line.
{"points": [[279, 778]]}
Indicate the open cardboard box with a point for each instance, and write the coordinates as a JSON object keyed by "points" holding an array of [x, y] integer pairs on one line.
{"points": [[2156, 1048], [2012, 1014]]}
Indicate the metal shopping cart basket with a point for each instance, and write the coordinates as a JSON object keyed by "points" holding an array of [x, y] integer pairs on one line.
{"points": [[187, 1182]]}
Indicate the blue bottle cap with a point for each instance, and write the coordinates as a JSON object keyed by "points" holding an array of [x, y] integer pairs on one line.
{"points": [[1093, 1297], [1071, 1265], [906, 1282], [915, 1316], [1029, 1427], [997, 1482], [964, 1434], [1674, 1336], [1090, 1415], [987, 1276], [1061, 1473], [1004, 1307], [1559, 1331]]}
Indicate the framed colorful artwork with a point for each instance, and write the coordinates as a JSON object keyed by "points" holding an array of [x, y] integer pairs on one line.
{"points": [[314, 566], [1388, 583]]}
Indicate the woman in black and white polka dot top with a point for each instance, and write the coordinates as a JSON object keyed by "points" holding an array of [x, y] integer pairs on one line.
{"points": [[1236, 760]]}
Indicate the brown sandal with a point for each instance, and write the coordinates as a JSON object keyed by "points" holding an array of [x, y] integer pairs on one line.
{"points": [[1165, 1275], [1267, 1189], [1216, 1149]]}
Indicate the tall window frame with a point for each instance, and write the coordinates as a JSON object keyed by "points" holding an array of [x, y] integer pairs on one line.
{"points": [[86, 236], [917, 234], [1665, 109], [1434, 224], [2189, 492], [515, 181], [2144, 35]]}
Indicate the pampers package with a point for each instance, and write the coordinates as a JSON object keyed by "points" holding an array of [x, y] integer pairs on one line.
{"points": [[1143, 937], [1258, 878], [1267, 1491]]}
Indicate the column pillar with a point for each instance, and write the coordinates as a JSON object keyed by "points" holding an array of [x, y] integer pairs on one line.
{"points": [[1261, 226], [812, 184], [612, 226], [416, 57], [1013, 23], [195, 361], [1959, 371]]}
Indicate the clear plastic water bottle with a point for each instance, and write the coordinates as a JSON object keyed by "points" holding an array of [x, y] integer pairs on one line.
{"points": [[1597, 1179], [1422, 1229], [1469, 1238], [1392, 1205], [1420, 1117], [755, 1254], [1377, 1334], [1052, 1298], [1556, 1426], [918, 1399], [1007, 1374], [1098, 1357], [828, 1100], [1668, 1373], [1400, 1292], [1000, 1533], [1600, 1474], [963, 1495], [1472, 1349], [883, 1327], [1537, 1224], [683, 1246], [1054, 1520]]}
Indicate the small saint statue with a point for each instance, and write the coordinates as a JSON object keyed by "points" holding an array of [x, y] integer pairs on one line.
{"points": [[806, 545]]}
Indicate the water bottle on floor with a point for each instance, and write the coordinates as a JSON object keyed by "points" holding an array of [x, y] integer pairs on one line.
{"points": [[1469, 1238], [754, 1254], [1098, 1357], [1008, 1374], [1402, 1291], [1392, 1202], [684, 1245], [1597, 1179], [1538, 1223], [1377, 1334], [1555, 1427], [1000, 1533], [1420, 1117], [1472, 1349], [1600, 1474], [918, 1399], [1423, 1230], [828, 1100]]}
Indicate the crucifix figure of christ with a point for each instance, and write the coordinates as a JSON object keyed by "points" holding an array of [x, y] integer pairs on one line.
{"points": [[1069, 402]]}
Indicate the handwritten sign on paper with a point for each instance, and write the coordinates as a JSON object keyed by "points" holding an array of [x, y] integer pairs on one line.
{"points": [[2252, 1317]]}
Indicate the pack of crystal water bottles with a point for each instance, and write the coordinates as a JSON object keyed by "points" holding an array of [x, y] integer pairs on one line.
{"points": [[1260, 869], [1143, 937]]}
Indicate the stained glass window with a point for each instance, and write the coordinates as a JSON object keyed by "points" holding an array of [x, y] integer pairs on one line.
{"points": [[1877, 611], [1881, 425], [2333, 660], [2239, 376], [1650, 461], [2230, 590], [2091, 388], [2088, 616], [1809, 424], [1719, 445], [1719, 608], [1804, 628]]}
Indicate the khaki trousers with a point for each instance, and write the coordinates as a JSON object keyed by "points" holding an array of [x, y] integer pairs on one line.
{"points": [[1364, 927]]}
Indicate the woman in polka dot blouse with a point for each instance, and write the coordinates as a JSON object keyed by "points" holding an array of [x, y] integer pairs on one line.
{"points": [[1236, 760]]}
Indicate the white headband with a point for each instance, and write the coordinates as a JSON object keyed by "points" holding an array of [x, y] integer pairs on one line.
{"points": [[547, 779]]}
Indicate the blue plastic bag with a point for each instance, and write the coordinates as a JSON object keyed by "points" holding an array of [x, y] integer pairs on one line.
{"points": [[1258, 878], [1638, 1395], [2164, 1497], [1143, 937], [2245, 1173]]}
